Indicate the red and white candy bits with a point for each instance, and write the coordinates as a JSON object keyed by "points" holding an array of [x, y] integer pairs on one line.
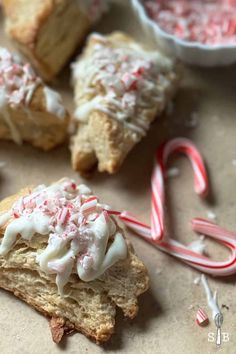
{"points": [[17, 80], [201, 317], [155, 234], [78, 231], [204, 21]]}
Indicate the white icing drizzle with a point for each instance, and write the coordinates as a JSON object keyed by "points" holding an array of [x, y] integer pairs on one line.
{"points": [[18, 83], [82, 236], [31, 88], [6, 116], [121, 80], [4, 217], [54, 102], [211, 299]]}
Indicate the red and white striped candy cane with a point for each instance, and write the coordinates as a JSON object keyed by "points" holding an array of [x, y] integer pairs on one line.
{"points": [[183, 253], [159, 173], [155, 233]]}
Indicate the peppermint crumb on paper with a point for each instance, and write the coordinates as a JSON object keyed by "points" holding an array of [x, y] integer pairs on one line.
{"points": [[197, 246], [197, 280], [173, 172], [211, 215]]}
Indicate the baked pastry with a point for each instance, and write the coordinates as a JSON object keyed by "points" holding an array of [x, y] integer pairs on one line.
{"points": [[63, 253], [29, 110], [48, 32], [120, 88]]}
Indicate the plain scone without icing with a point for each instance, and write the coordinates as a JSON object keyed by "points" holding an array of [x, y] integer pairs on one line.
{"points": [[120, 88], [47, 32], [29, 110], [64, 254]]}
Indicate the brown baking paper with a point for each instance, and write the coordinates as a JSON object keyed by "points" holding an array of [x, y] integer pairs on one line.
{"points": [[166, 320]]}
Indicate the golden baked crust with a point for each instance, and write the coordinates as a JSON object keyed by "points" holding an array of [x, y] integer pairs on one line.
{"points": [[102, 139], [47, 32], [90, 307]]}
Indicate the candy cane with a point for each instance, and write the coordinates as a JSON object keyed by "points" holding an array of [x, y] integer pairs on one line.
{"points": [[158, 191], [155, 233], [188, 256]]}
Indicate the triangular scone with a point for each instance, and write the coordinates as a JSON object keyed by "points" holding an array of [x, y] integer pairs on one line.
{"points": [[47, 32], [29, 110], [64, 254], [120, 88]]}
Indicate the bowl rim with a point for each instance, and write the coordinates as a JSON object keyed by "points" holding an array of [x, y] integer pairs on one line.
{"points": [[138, 5]]}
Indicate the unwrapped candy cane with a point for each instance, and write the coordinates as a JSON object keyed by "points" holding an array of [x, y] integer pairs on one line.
{"points": [[155, 233]]}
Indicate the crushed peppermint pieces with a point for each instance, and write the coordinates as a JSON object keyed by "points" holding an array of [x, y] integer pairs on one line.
{"points": [[211, 215], [130, 78], [204, 21], [197, 246], [201, 317], [78, 229], [173, 172], [17, 80], [197, 280]]}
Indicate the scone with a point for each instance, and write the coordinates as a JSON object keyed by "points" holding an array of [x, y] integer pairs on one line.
{"points": [[29, 110], [47, 32], [120, 88], [64, 254]]}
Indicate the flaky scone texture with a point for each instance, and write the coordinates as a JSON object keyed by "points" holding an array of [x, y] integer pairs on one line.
{"points": [[88, 307], [34, 124], [47, 32], [103, 140]]}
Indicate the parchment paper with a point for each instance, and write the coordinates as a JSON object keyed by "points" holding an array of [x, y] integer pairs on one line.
{"points": [[166, 320]]}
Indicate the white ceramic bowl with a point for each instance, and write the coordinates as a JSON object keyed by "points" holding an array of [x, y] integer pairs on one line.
{"points": [[189, 52]]}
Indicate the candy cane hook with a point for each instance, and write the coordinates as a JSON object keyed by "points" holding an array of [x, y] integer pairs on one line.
{"points": [[155, 233], [159, 173]]}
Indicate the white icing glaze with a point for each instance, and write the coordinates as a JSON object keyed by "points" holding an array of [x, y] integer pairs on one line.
{"points": [[82, 112], [54, 102], [4, 217], [81, 234], [211, 299], [121, 81]]}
